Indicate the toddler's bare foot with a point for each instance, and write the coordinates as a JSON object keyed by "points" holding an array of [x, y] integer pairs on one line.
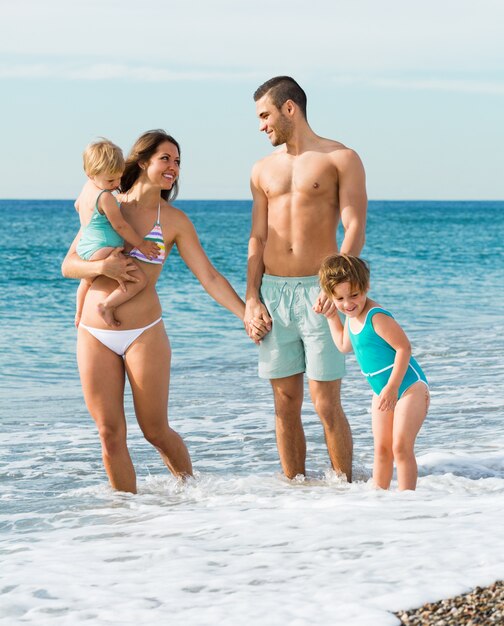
{"points": [[108, 315]]}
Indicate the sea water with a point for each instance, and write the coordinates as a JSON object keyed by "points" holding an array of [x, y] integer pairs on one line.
{"points": [[240, 544]]}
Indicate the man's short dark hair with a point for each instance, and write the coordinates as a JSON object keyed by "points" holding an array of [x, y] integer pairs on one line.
{"points": [[280, 89]]}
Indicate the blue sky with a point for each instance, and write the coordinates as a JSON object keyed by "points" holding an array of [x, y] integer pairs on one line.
{"points": [[416, 88]]}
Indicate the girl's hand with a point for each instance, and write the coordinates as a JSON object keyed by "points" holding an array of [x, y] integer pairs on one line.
{"points": [[324, 306], [388, 397]]}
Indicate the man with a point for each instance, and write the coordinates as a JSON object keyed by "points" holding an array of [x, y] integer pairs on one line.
{"points": [[300, 192]]}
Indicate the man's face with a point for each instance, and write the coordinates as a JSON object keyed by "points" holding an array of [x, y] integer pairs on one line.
{"points": [[273, 122]]}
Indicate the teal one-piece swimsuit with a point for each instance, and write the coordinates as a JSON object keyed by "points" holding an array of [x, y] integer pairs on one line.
{"points": [[98, 234], [376, 357]]}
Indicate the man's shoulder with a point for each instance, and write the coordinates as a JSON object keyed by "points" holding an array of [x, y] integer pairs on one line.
{"points": [[268, 161], [335, 148], [341, 155]]}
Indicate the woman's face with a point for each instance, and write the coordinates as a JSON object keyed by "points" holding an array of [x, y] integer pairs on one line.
{"points": [[164, 165]]}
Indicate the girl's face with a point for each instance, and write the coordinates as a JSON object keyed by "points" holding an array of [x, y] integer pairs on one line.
{"points": [[163, 167], [348, 300]]}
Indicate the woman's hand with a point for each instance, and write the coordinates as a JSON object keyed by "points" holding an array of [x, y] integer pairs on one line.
{"points": [[257, 321], [118, 266]]}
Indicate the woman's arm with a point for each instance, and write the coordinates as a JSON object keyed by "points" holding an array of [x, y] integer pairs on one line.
{"points": [[197, 261], [390, 331], [115, 266]]}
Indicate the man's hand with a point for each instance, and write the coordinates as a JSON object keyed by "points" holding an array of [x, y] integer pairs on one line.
{"points": [[257, 321], [325, 306], [118, 266]]}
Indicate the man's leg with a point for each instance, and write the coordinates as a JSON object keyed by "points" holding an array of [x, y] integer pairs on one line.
{"points": [[326, 398], [291, 443]]}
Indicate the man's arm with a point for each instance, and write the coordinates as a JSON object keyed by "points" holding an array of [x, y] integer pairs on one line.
{"points": [[254, 308], [352, 201]]}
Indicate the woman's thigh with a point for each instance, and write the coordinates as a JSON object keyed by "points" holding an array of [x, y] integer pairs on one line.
{"points": [[102, 378], [147, 363]]}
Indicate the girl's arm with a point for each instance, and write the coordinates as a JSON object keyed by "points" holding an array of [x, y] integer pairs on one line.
{"points": [[325, 306], [197, 261], [115, 266], [109, 206], [389, 330], [340, 333]]}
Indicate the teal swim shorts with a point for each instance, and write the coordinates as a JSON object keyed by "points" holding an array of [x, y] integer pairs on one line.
{"points": [[300, 339]]}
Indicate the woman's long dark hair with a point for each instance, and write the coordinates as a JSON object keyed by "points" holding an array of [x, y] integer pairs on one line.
{"points": [[141, 152]]}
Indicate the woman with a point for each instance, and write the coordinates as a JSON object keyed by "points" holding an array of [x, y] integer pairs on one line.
{"points": [[140, 348]]}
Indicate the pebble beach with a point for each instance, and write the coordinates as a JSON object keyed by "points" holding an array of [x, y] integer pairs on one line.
{"points": [[483, 606]]}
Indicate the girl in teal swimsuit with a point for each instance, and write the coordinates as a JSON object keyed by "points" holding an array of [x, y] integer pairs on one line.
{"points": [[401, 393], [103, 227]]}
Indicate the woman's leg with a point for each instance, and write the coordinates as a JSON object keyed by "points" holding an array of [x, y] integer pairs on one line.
{"points": [[102, 377], [383, 466], [409, 416], [148, 367]]}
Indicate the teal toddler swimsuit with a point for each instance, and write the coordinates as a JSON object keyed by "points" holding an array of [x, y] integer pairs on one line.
{"points": [[376, 357], [97, 234]]}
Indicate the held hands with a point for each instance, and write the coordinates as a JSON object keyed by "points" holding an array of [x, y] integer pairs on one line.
{"points": [[257, 322], [149, 248], [118, 267], [325, 306], [388, 397]]}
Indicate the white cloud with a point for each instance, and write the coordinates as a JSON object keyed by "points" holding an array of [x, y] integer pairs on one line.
{"points": [[117, 71], [451, 85], [145, 73]]}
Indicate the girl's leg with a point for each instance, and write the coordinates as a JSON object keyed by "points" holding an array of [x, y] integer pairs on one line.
{"points": [[118, 296], [383, 465], [409, 416], [102, 377], [148, 367]]}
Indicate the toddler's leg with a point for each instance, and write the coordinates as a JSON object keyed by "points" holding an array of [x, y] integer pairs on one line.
{"points": [[82, 290], [118, 297], [383, 465], [409, 416]]}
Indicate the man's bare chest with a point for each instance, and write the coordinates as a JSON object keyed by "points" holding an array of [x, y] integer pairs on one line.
{"points": [[317, 178]]}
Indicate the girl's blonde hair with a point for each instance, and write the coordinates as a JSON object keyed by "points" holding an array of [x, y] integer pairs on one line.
{"points": [[103, 157], [343, 268]]}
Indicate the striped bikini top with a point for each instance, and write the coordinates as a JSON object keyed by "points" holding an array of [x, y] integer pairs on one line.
{"points": [[156, 235]]}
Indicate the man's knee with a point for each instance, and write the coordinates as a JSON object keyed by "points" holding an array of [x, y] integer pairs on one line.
{"points": [[288, 402], [327, 404]]}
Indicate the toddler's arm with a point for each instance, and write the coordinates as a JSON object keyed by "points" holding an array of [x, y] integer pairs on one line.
{"points": [[111, 209]]}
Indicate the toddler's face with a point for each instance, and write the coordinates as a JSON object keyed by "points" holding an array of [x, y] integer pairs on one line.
{"points": [[107, 180], [349, 300]]}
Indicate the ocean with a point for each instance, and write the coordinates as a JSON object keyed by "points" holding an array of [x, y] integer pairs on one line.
{"points": [[240, 544]]}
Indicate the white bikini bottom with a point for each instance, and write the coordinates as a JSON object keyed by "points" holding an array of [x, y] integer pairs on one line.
{"points": [[118, 340]]}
